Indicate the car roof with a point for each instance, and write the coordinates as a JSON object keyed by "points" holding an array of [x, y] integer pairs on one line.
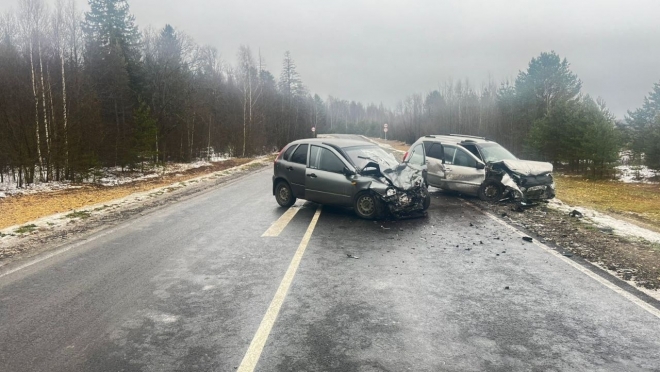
{"points": [[455, 138], [338, 142]]}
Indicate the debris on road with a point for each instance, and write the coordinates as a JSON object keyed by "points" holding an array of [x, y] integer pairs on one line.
{"points": [[576, 213], [588, 237], [352, 256], [527, 238]]}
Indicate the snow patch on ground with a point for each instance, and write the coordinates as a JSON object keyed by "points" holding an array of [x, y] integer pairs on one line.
{"points": [[110, 176], [603, 221], [636, 174]]}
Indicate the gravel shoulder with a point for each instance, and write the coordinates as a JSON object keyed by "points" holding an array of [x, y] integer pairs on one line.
{"points": [[633, 260]]}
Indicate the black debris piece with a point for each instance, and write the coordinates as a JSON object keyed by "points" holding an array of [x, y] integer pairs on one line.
{"points": [[351, 256], [568, 254], [507, 287], [471, 224], [575, 213], [527, 238], [504, 214]]}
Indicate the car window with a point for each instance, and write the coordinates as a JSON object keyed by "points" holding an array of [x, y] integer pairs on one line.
{"points": [[288, 152], [330, 162], [463, 158], [417, 155], [449, 154], [300, 155], [494, 152], [435, 151], [313, 156], [473, 150]]}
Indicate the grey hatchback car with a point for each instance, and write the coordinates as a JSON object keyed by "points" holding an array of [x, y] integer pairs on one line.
{"points": [[349, 173]]}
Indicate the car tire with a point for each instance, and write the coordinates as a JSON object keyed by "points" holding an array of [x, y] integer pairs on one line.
{"points": [[284, 195], [490, 190], [427, 201], [367, 205]]}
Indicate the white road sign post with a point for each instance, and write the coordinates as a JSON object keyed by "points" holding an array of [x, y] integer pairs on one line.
{"points": [[385, 130], [314, 131]]}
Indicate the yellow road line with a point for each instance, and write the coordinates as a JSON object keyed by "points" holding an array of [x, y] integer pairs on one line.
{"points": [[253, 354], [630, 297], [276, 228]]}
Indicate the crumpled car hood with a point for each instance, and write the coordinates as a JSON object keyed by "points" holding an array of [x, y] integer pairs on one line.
{"points": [[400, 175], [527, 167], [403, 176]]}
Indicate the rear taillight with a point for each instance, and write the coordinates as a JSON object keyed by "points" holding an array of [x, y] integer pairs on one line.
{"points": [[405, 156], [279, 155]]}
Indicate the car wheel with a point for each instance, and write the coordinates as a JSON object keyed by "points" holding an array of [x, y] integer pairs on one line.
{"points": [[490, 190], [367, 206], [427, 201], [283, 195]]}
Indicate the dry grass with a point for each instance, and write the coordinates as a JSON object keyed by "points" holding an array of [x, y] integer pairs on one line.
{"points": [[637, 201], [399, 145], [17, 210]]}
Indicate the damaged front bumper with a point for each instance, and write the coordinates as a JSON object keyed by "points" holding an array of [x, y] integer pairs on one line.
{"points": [[402, 203], [529, 188]]}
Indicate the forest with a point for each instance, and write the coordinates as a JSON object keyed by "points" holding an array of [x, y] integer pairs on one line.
{"points": [[84, 90]]}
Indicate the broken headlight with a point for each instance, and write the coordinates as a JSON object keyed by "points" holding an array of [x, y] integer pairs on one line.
{"points": [[404, 199], [390, 192]]}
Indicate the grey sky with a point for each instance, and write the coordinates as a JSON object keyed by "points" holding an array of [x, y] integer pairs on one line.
{"points": [[381, 51]]}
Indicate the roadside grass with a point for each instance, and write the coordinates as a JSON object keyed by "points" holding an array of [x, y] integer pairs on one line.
{"points": [[79, 214], [21, 209], [637, 201], [25, 229]]}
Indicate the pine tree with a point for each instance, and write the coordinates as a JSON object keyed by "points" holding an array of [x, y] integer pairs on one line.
{"points": [[644, 126]]}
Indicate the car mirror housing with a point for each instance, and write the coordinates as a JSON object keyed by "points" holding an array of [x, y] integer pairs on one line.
{"points": [[481, 166], [347, 172]]}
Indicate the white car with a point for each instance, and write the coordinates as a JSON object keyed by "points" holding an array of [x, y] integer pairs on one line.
{"points": [[480, 167]]}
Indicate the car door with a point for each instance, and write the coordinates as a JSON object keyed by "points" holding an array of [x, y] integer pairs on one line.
{"points": [[465, 173], [295, 169], [434, 163], [325, 181], [417, 159]]}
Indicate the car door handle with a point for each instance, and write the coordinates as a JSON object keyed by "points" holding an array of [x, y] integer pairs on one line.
{"points": [[312, 175], [289, 168]]}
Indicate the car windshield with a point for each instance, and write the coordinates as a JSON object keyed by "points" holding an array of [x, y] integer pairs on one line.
{"points": [[358, 153], [494, 152]]}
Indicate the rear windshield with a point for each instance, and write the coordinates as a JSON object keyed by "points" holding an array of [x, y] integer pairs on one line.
{"points": [[494, 152], [357, 153]]}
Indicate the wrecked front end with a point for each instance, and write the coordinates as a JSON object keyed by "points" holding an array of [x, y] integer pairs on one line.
{"points": [[523, 180], [401, 188]]}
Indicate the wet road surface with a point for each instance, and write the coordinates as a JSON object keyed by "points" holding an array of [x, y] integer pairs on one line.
{"points": [[187, 288]]}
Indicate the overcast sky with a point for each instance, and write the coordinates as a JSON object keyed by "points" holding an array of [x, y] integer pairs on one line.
{"points": [[381, 51]]}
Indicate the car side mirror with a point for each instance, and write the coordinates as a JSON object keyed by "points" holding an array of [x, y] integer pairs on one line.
{"points": [[481, 166], [347, 172]]}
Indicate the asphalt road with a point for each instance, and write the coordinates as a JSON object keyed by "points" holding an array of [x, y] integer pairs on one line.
{"points": [[187, 288]]}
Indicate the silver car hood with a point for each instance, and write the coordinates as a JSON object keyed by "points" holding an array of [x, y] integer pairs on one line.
{"points": [[527, 167]]}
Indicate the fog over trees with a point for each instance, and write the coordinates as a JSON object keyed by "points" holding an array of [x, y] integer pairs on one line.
{"points": [[82, 90]]}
